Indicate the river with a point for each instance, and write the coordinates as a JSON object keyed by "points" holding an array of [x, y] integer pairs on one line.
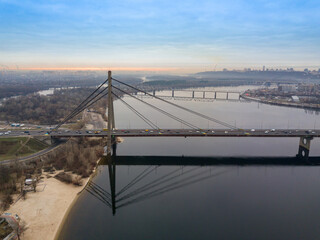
{"points": [[202, 202]]}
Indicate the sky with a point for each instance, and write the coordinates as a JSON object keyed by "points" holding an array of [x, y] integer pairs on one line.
{"points": [[163, 35]]}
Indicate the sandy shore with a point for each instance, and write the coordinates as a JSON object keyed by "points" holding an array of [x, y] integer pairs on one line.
{"points": [[44, 210]]}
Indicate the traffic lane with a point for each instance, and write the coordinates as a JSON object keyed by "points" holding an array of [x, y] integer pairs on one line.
{"points": [[169, 132], [133, 133]]}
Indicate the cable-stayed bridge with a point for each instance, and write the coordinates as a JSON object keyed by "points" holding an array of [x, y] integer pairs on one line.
{"points": [[119, 89]]}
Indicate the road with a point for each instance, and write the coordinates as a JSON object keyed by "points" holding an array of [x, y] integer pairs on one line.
{"points": [[169, 133], [30, 157]]}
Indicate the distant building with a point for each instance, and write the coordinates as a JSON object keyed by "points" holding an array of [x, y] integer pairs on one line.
{"points": [[287, 88], [295, 99], [307, 87], [264, 68]]}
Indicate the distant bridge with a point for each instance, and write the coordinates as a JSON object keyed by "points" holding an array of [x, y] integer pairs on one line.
{"points": [[194, 94]]}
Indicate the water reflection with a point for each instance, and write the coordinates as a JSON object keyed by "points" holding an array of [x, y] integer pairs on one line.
{"points": [[139, 188]]}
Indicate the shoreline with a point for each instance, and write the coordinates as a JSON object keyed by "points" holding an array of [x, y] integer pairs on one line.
{"points": [[283, 104], [43, 211], [66, 214]]}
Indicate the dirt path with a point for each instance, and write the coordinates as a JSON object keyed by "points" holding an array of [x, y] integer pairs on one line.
{"points": [[22, 145]]}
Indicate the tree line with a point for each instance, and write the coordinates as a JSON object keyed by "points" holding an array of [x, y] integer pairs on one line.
{"points": [[39, 109]]}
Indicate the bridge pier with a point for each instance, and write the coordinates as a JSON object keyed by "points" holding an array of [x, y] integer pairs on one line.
{"points": [[172, 93], [154, 93], [114, 146], [304, 147], [204, 94], [215, 95], [227, 95], [192, 94]]}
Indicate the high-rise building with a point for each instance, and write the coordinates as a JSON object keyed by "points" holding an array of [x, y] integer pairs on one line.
{"points": [[263, 68]]}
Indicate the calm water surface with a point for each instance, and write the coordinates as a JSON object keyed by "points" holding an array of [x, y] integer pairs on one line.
{"points": [[203, 202]]}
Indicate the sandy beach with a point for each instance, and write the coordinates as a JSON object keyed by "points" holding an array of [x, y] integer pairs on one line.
{"points": [[44, 210]]}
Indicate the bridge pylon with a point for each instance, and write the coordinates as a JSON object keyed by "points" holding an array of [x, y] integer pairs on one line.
{"points": [[111, 122]]}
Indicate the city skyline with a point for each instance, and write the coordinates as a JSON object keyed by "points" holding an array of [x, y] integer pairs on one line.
{"points": [[166, 36]]}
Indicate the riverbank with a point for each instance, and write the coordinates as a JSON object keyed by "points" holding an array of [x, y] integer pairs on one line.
{"points": [[284, 104], [44, 210]]}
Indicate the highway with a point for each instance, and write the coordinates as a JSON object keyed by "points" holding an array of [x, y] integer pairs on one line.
{"points": [[168, 133]]}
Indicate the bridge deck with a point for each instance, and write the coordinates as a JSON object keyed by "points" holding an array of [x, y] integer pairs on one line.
{"points": [[171, 133], [197, 133]]}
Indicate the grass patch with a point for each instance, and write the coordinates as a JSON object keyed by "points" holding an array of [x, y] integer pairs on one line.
{"points": [[19, 147]]}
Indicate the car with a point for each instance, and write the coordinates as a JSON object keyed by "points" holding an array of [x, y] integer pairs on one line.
{"points": [[273, 130], [266, 132], [253, 130], [225, 131]]}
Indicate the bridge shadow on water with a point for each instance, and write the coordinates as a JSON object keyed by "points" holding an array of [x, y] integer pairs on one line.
{"points": [[137, 190]]}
